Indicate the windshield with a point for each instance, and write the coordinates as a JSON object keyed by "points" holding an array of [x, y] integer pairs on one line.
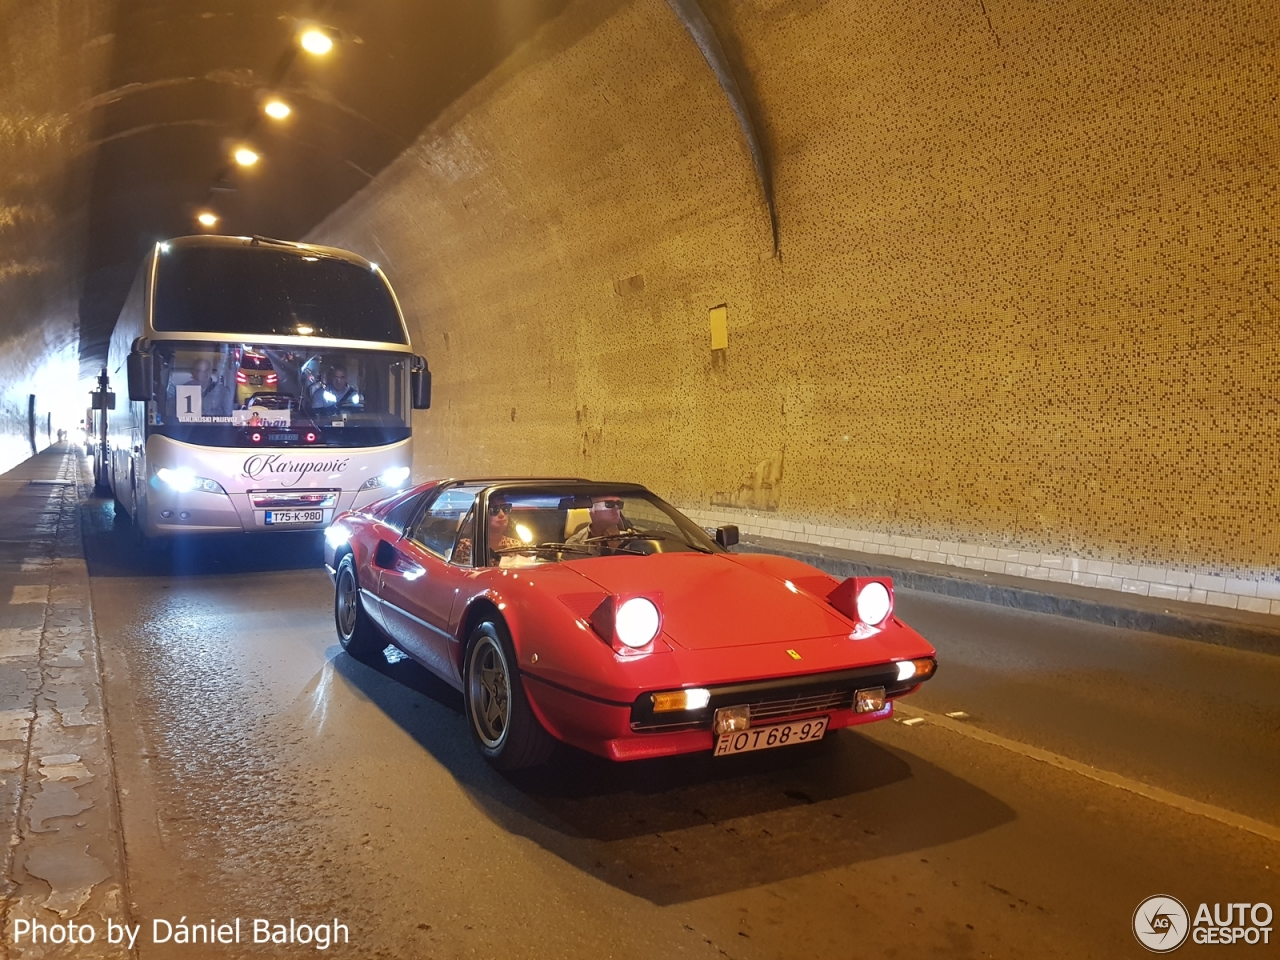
{"points": [[238, 395], [272, 291], [524, 526]]}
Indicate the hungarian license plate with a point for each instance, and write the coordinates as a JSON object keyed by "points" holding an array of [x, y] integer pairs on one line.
{"points": [[294, 516], [775, 735]]}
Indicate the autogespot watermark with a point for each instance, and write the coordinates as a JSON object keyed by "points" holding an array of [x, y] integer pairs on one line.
{"points": [[1162, 923]]}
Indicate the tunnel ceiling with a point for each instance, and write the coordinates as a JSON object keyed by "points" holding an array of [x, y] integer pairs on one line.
{"points": [[186, 87]]}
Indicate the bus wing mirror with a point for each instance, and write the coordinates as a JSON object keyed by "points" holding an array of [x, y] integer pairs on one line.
{"points": [[420, 384], [140, 376]]}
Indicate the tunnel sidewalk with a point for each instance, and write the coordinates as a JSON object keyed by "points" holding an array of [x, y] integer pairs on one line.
{"points": [[63, 859], [1193, 621]]}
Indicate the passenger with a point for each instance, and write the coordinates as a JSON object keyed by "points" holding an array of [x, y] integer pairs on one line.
{"points": [[215, 398], [499, 538], [606, 519]]}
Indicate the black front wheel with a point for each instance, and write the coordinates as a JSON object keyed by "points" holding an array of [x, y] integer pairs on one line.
{"points": [[356, 632], [502, 722]]}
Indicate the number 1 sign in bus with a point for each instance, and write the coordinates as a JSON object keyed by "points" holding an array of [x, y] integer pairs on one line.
{"points": [[271, 386]]}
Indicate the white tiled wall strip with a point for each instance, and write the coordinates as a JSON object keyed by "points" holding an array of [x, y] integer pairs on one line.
{"points": [[1257, 594]]}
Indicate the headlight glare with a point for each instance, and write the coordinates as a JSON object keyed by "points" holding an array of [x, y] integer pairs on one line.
{"points": [[183, 481], [874, 603], [395, 476], [391, 477], [636, 622], [336, 535], [180, 479]]}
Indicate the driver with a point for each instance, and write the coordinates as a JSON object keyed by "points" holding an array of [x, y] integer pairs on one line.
{"points": [[335, 391], [606, 519], [499, 538]]}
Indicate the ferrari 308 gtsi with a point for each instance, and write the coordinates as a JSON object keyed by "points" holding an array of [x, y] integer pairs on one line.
{"points": [[598, 615]]}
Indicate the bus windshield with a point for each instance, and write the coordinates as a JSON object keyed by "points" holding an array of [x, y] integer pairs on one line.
{"points": [[260, 291], [259, 395]]}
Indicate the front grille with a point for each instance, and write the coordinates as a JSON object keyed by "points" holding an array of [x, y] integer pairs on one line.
{"points": [[765, 710], [293, 498], [774, 700]]}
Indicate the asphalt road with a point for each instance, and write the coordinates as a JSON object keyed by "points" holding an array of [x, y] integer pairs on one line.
{"points": [[263, 773]]}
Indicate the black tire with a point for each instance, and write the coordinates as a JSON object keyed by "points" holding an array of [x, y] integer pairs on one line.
{"points": [[356, 632], [147, 546], [498, 712]]}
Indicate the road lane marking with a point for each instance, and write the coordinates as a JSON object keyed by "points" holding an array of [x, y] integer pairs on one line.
{"points": [[1166, 797]]}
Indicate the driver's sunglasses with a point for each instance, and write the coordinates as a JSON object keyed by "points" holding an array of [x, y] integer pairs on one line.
{"points": [[610, 504], [497, 508]]}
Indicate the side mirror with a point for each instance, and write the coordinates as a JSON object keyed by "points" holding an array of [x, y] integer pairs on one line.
{"points": [[420, 384], [727, 535], [140, 376]]}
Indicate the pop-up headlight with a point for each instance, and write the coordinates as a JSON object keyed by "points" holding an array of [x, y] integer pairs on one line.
{"points": [[874, 603], [629, 626], [636, 622], [866, 600]]}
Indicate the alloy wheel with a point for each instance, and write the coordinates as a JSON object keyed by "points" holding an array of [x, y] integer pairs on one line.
{"points": [[490, 692]]}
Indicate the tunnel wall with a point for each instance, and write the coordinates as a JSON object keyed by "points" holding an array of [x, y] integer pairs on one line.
{"points": [[53, 57], [1024, 315]]}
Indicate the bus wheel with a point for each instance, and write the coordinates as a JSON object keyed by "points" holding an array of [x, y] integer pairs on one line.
{"points": [[356, 632]]}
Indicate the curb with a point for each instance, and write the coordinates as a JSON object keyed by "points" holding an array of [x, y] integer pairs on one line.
{"points": [[1163, 617]]}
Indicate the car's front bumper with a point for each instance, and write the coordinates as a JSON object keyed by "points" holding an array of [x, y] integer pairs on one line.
{"points": [[631, 731]]}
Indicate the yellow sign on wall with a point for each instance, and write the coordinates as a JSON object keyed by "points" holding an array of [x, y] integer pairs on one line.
{"points": [[719, 317]]}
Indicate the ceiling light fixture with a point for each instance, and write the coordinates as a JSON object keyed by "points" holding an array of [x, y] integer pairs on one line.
{"points": [[276, 109], [315, 41], [207, 219], [246, 157]]}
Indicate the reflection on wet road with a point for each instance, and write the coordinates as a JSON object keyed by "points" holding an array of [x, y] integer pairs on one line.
{"points": [[264, 773]]}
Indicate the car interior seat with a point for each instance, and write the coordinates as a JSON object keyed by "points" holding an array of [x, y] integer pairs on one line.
{"points": [[575, 518]]}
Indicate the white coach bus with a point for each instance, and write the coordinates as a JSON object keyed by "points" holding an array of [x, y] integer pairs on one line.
{"points": [[271, 386]]}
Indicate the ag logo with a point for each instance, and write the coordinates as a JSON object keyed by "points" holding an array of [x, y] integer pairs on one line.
{"points": [[1160, 924]]}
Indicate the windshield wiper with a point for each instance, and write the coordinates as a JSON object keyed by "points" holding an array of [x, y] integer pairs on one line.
{"points": [[571, 547], [645, 535]]}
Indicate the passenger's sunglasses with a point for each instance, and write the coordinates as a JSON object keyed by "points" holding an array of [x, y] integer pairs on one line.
{"points": [[497, 508], [610, 504]]}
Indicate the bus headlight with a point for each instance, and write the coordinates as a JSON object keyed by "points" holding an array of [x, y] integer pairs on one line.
{"points": [[393, 477], [183, 481]]}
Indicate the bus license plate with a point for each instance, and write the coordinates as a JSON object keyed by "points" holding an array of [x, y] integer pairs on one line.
{"points": [[775, 735], [294, 516]]}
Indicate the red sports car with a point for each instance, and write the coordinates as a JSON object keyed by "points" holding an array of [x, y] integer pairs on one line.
{"points": [[597, 614]]}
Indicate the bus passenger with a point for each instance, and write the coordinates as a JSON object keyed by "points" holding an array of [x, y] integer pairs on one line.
{"points": [[215, 398]]}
